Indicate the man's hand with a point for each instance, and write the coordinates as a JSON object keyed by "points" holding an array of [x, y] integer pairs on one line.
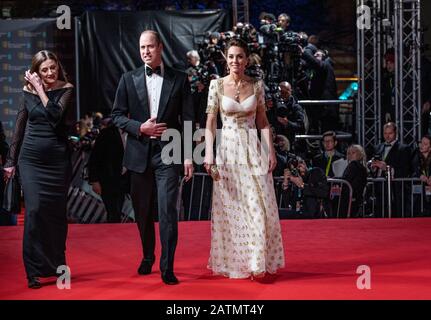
{"points": [[284, 121], [188, 169], [378, 164], [297, 181], [97, 188], [152, 129]]}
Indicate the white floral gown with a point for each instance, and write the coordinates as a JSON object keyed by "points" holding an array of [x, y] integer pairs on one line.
{"points": [[245, 227]]}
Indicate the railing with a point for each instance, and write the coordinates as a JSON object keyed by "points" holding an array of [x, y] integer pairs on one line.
{"points": [[332, 182], [196, 204], [386, 197]]}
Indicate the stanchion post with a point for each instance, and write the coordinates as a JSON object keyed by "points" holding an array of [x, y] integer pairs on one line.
{"points": [[389, 180]]}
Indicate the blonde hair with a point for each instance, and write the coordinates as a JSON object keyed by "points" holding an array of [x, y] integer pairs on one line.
{"points": [[286, 141], [360, 149], [193, 54]]}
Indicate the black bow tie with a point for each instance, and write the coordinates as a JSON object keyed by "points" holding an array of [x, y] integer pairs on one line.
{"points": [[387, 145], [150, 71]]}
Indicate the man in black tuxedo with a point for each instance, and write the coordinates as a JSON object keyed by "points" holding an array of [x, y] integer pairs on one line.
{"points": [[149, 100], [399, 157]]}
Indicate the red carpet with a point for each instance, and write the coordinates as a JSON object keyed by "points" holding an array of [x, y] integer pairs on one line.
{"points": [[322, 257]]}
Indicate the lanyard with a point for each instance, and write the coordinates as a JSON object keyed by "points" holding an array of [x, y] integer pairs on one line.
{"points": [[328, 166]]}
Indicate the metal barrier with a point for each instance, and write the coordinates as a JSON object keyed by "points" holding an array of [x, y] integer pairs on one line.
{"points": [[342, 136], [405, 195], [332, 182], [325, 102], [198, 205]]}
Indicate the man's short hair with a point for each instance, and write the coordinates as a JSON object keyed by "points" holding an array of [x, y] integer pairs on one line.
{"points": [[155, 34], [284, 15], [329, 134], [390, 125]]}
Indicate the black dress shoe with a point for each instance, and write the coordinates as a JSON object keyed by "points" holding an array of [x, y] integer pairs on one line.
{"points": [[145, 267], [34, 283], [169, 278]]}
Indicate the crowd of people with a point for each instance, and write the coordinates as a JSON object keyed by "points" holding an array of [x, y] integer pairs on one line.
{"points": [[294, 67], [126, 149]]}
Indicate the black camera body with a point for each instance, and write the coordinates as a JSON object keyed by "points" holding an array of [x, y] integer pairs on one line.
{"points": [[281, 106], [290, 42], [292, 165], [377, 157]]}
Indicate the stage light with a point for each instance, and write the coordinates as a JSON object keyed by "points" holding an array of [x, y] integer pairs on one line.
{"points": [[349, 92]]}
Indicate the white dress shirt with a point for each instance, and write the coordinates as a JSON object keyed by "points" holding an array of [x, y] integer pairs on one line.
{"points": [[388, 149], [154, 89]]}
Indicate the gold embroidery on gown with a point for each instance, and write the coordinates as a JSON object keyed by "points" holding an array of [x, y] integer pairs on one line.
{"points": [[245, 228]]}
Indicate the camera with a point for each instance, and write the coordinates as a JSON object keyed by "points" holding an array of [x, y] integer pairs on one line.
{"points": [[255, 71], [281, 108], [290, 42], [376, 157], [202, 74], [292, 165]]}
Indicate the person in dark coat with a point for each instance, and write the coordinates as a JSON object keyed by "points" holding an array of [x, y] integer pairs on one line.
{"points": [[329, 155], [150, 100], [421, 166], [356, 174], [323, 86], [105, 170], [5, 218], [399, 157], [311, 185]]}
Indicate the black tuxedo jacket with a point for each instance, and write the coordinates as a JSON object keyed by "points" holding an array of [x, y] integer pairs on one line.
{"points": [[399, 157], [131, 109]]}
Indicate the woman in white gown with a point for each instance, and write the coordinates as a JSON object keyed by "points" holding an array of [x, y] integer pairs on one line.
{"points": [[245, 228]]}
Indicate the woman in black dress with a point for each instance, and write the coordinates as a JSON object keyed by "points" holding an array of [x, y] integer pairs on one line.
{"points": [[40, 151]]}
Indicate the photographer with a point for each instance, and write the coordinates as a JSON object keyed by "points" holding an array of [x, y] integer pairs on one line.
{"points": [[254, 68], [286, 114], [199, 76], [284, 21], [322, 87], [310, 186]]}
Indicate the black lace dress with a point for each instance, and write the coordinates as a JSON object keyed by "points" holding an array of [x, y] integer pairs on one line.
{"points": [[40, 151]]}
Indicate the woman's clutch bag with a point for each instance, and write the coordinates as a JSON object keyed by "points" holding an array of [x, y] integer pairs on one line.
{"points": [[215, 173]]}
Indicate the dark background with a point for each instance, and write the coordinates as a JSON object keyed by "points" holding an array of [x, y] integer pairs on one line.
{"points": [[109, 46]]}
